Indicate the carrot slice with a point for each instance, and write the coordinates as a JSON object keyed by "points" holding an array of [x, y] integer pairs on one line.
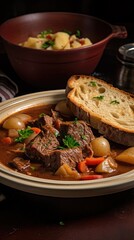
{"points": [[82, 167], [91, 177], [36, 129], [91, 161], [6, 140]]}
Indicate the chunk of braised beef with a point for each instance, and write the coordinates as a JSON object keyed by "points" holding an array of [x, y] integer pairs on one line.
{"points": [[53, 159], [45, 146], [44, 123], [57, 119], [87, 151], [41, 121], [57, 158], [79, 130], [46, 141], [21, 165], [49, 120]]}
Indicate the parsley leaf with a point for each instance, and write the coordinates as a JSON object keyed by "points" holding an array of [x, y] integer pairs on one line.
{"points": [[45, 32], [83, 137], [99, 97], [23, 134], [70, 142], [41, 115], [78, 33], [76, 120], [47, 44], [93, 84], [114, 102]]}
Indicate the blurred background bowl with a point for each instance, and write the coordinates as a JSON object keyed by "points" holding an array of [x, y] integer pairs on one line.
{"points": [[51, 69]]}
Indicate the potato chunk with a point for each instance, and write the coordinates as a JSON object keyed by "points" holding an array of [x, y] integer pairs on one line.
{"points": [[87, 42], [61, 40], [109, 165], [66, 171], [126, 156]]}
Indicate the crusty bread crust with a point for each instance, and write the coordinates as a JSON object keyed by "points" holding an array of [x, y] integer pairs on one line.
{"points": [[107, 109]]}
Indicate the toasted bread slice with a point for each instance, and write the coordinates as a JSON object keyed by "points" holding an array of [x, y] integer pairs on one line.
{"points": [[106, 108]]}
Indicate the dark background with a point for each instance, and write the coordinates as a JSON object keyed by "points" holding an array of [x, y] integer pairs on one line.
{"points": [[113, 11]]}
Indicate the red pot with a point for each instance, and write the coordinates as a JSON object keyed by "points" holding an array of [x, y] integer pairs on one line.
{"points": [[45, 69]]}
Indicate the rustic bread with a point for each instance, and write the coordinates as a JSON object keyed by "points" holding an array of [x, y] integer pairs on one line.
{"points": [[106, 108]]}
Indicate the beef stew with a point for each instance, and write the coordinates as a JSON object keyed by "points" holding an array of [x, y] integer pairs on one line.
{"points": [[47, 144]]}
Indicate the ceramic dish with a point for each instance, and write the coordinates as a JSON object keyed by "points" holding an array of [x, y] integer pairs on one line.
{"points": [[56, 188], [42, 67]]}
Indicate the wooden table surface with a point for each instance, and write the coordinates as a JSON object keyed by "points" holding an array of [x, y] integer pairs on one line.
{"points": [[32, 217]]}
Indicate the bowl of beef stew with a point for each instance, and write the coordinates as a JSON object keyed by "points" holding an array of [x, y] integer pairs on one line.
{"points": [[46, 150]]}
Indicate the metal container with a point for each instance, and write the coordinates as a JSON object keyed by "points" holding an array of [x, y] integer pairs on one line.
{"points": [[125, 76]]}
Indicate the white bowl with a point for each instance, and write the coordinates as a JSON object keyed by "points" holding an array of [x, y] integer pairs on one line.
{"points": [[56, 188]]}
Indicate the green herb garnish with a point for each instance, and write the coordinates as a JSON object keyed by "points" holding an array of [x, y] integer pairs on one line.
{"points": [[78, 33], [99, 97], [57, 133], [23, 134], [93, 84], [47, 44], [45, 32], [75, 120], [114, 102], [83, 137], [69, 142], [41, 115]]}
